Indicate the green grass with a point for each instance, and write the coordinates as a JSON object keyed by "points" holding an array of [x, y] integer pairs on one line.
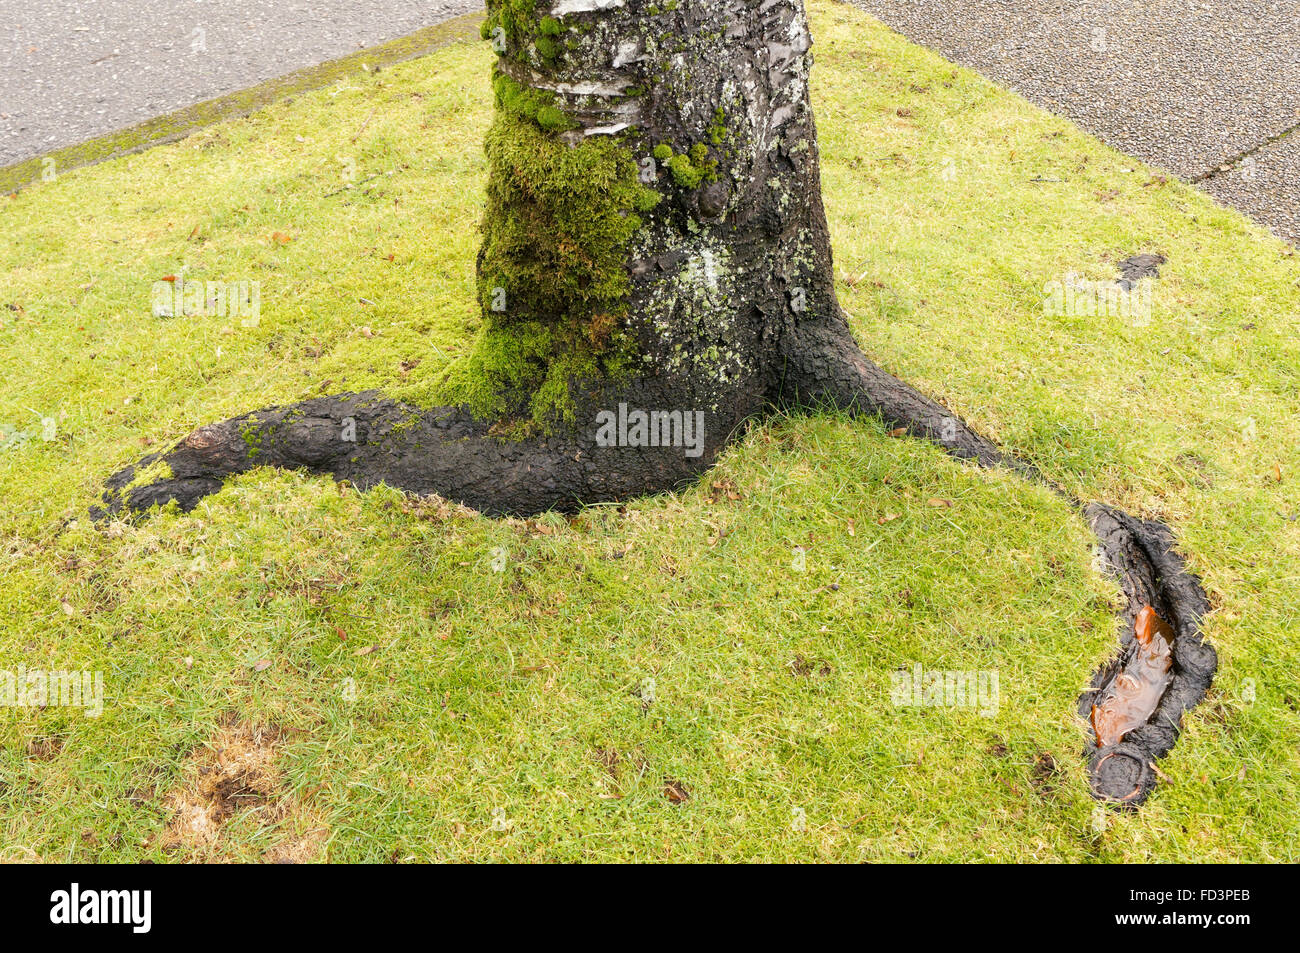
{"points": [[503, 714]]}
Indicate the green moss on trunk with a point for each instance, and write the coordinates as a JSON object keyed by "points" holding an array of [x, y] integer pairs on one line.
{"points": [[552, 277]]}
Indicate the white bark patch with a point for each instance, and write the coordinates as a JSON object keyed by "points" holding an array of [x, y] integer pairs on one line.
{"points": [[799, 34], [605, 90], [627, 53], [565, 7]]}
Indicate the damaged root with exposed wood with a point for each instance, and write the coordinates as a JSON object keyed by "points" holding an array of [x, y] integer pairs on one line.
{"points": [[654, 238]]}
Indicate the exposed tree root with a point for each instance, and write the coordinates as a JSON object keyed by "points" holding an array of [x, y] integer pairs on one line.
{"points": [[367, 439], [1140, 555], [825, 366]]}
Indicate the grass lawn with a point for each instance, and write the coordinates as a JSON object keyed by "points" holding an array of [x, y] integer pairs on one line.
{"points": [[298, 671]]}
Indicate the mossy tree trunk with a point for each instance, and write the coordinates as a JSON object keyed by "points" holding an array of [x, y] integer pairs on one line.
{"points": [[655, 271], [654, 251]]}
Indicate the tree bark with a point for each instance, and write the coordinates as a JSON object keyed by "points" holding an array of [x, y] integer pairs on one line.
{"points": [[705, 105], [654, 243], [726, 305]]}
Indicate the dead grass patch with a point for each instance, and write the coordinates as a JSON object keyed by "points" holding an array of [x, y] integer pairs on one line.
{"points": [[234, 774]]}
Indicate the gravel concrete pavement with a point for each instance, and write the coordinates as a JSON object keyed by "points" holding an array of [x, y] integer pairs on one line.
{"points": [[74, 69], [1187, 85], [1264, 185]]}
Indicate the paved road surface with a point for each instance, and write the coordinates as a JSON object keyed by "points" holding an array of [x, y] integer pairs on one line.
{"points": [[1188, 85], [74, 69]]}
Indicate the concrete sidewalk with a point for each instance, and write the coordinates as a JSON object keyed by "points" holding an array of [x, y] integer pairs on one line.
{"points": [[70, 70], [1207, 89]]}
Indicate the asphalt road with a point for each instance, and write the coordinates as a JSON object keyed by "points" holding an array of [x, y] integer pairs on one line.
{"points": [[1208, 89], [74, 69], [1191, 86]]}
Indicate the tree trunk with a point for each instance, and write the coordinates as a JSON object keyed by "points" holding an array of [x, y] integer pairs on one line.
{"points": [[655, 252], [655, 271]]}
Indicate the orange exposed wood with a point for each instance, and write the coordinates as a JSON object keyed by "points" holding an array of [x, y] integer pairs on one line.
{"points": [[1131, 698]]}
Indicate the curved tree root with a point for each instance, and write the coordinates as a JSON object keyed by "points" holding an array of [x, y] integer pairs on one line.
{"points": [[1140, 554], [368, 439], [825, 366]]}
